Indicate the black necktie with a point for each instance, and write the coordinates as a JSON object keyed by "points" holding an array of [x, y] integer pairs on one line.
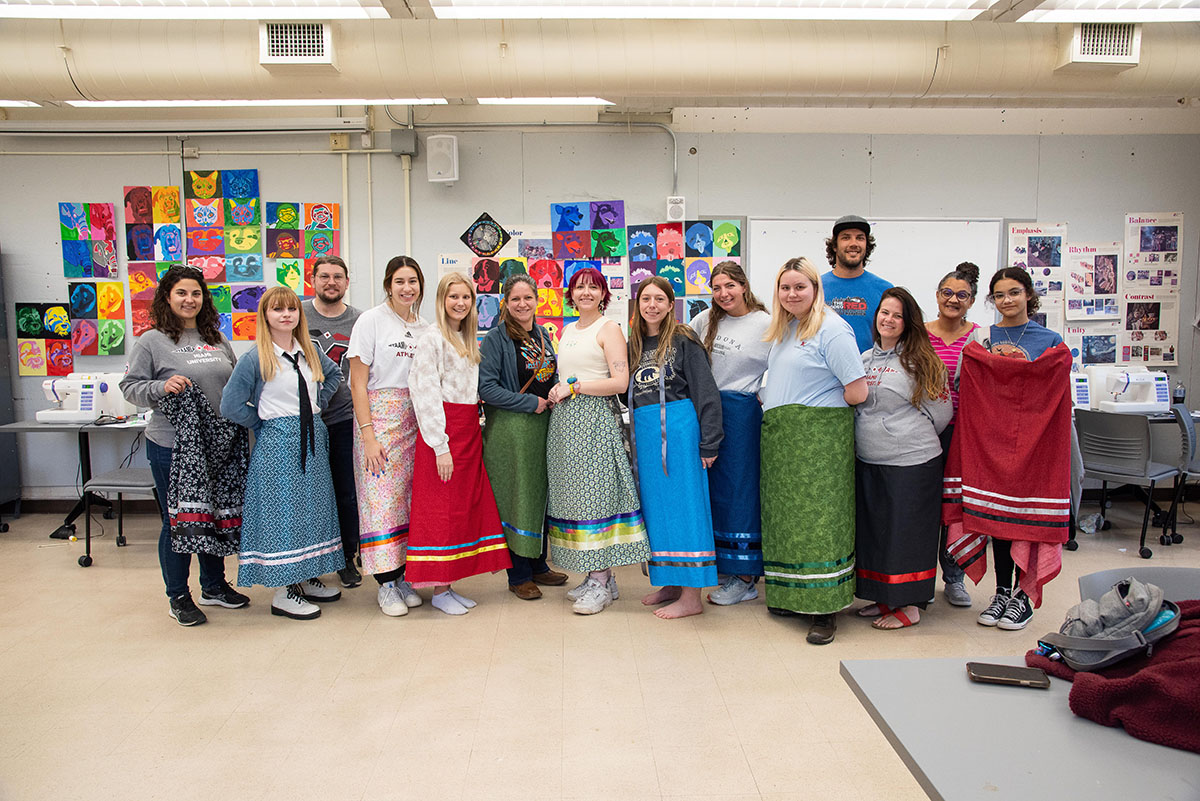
{"points": [[308, 431]]}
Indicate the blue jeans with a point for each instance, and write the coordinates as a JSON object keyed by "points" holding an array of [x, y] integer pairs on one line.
{"points": [[525, 568], [176, 566], [341, 465]]}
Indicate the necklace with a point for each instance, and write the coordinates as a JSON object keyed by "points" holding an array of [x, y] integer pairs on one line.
{"points": [[1017, 344]]}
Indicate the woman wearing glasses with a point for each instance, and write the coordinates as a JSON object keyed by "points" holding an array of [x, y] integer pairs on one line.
{"points": [[1008, 473], [949, 333]]}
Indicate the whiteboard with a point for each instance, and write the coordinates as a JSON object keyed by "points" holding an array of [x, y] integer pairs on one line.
{"points": [[912, 253]]}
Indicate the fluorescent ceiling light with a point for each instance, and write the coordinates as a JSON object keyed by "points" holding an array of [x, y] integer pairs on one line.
{"points": [[396, 101], [715, 9], [194, 9], [544, 101], [18, 104], [1114, 11]]}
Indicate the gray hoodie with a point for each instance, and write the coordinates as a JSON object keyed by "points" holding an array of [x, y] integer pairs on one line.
{"points": [[888, 429]]}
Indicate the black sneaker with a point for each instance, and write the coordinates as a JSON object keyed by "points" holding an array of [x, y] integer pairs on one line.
{"points": [[995, 610], [185, 611], [226, 596], [349, 576], [1017, 613]]}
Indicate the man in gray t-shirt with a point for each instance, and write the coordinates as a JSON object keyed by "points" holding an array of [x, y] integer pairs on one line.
{"points": [[330, 321]]}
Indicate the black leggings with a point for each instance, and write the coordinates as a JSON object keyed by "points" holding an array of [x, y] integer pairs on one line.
{"points": [[391, 575], [1005, 567]]}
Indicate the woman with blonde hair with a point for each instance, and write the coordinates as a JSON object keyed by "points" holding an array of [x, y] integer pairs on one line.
{"points": [[455, 530], [382, 346], [290, 533], [675, 412], [815, 374], [732, 333]]}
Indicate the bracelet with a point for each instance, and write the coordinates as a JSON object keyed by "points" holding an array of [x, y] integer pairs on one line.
{"points": [[571, 385], [366, 425]]}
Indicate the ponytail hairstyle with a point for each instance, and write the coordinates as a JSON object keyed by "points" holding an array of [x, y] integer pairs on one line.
{"points": [[781, 318], [733, 271], [394, 264], [463, 340], [1021, 277], [515, 332], [917, 355], [281, 297], [667, 330]]}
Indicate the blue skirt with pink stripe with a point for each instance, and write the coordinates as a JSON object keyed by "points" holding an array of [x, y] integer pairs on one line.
{"points": [[674, 490]]}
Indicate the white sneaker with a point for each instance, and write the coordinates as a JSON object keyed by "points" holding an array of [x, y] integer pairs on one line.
{"points": [[314, 590], [290, 602], [390, 601], [446, 602], [408, 592], [733, 591], [575, 592], [594, 599], [462, 599]]}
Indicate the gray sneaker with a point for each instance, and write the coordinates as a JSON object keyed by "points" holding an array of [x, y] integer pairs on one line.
{"points": [[956, 593], [594, 599], [412, 598], [575, 592], [733, 591]]}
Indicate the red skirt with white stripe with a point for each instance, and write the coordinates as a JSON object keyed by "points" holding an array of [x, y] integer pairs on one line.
{"points": [[454, 529]]}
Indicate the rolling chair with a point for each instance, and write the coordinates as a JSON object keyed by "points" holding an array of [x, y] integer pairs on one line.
{"points": [[1116, 447], [123, 480]]}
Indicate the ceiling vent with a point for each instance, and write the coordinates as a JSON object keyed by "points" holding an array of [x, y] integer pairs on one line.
{"points": [[1101, 45], [292, 45]]}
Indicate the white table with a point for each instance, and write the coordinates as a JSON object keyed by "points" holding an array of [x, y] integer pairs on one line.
{"points": [[1036, 748]]}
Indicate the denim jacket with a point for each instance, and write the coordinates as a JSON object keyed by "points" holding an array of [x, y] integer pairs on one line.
{"points": [[498, 384], [239, 400]]}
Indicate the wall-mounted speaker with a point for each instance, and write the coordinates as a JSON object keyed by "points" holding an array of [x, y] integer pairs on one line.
{"points": [[441, 157], [676, 209]]}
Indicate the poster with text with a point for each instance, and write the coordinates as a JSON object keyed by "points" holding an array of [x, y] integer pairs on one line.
{"points": [[1091, 281], [1039, 249], [1153, 244], [1149, 328], [1093, 343]]}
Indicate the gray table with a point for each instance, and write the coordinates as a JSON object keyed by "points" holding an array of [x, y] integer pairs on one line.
{"points": [[83, 431], [1036, 747]]}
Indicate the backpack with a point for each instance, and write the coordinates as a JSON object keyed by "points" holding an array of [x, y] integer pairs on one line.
{"points": [[1126, 621]]}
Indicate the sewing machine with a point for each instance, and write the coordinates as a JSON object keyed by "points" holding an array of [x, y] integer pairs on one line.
{"points": [[83, 397], [1132, 390]]}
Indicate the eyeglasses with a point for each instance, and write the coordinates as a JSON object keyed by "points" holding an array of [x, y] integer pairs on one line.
{"points": [[947, 293], [1012, 293]]}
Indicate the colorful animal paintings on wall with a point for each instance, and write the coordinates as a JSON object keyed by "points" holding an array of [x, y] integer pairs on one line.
{"points": [[204, 213], [569, 217], [166, 204], [639, 271], [239, 183], [204, 242], [139, 242], [243, 240], [222, 297], [669, 244], [283, 216], [727, 239], [82, 299], [574, 266], [320, 243], [143, 279], [244, 325], [168, 242], [486, 274], [203, 184], [151, 205], [292, 274], [594, 229], [550, 302], [322, 217], [212, 267], [608, 243], [88, 233], [546, 272], [693, 306], [244, 298], [241, 212], [643, 242], [97, 317], [572, 244], [43, 339], [554, 327], [488, 307], [697, 274], [284, 243], [698, 238], [85, 337], [607, 214], [672, 270], [140, 315], [246, 268], [511, 267]]}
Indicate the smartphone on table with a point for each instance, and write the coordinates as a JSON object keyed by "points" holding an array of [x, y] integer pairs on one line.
{"points": [[1008, 674]]}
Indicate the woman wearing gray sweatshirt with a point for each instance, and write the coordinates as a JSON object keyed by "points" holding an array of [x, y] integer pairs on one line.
{"points": [[898, 467]]}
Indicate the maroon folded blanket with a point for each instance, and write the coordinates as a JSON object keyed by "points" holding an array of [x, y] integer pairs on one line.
{"points": [[1155, 698]]}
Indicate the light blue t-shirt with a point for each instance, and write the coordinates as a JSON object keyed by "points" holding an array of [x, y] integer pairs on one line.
{"points": [[856, 300], [813, 372]]}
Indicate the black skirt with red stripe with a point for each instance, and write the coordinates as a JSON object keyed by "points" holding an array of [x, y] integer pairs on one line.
{"points": [[897, 520]]}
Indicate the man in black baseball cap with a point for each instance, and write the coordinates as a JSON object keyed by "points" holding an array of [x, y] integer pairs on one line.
{"points": [[850, 289]]}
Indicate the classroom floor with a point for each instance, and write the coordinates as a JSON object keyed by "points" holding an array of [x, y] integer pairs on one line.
{"points": [[103, 696]]}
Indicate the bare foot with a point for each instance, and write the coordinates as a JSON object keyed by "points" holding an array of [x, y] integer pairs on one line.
{"points": [[661, 596], [874, 610], [684, 607]]}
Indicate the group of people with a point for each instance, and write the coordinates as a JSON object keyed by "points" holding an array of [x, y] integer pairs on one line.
{"points": [[808, 446]]}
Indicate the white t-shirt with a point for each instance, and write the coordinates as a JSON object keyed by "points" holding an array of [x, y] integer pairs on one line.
{"points": [[386, 344], [281, 395], [739, 355]]}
